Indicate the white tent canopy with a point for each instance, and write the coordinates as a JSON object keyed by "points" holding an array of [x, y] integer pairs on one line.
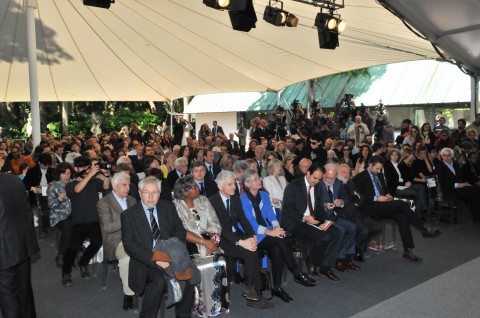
{"points": [[166, 49]]}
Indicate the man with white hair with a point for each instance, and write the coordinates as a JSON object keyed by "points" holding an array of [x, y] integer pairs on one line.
{"points": [[109, 209], [238, 243], [145, 223], [333, 198], [180, 171], [358, 130]]}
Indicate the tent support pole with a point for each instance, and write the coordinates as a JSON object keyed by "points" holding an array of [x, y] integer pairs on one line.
{"points": [[474, 97], [31, 5]]}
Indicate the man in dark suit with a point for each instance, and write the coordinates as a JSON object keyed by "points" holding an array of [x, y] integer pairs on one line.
{"points": [[207, 187], [453, 184], [180, 171], [259, 159], [334, 198], [143, 225], [217, 129], [232, 145], [366, 226], [314, 150], [109, 209], [178, 131], [301, 212], [238, 239], [378, 203], [262, 131], [18, 245], [212, 169]]}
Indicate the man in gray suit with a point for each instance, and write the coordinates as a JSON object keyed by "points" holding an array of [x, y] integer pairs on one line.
{"points": [[109, 209]]}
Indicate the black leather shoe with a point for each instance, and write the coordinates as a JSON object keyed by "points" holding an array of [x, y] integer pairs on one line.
{"points": [[280, 293], [329, 274], [431, 232], [66, 280], [84, 273], [262, 303], [250, 293], [304, 280], [408, 254], [128, 303], [359, 257]]}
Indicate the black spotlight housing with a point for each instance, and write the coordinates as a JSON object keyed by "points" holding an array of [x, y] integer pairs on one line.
{"points": [[278, 16], [328, 27], [98, 3], [237, 5], [243, 20]]}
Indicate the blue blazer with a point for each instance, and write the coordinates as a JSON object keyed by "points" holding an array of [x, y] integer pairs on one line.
{"points": [[266, 209]]}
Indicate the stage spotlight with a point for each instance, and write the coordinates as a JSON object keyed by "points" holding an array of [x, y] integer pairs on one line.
{"points": [[328, 27], [98, 3], [237, 5], [278, 16], [243, 20]]}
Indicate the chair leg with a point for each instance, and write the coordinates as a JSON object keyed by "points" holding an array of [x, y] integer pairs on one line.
{"points": [[105, 272]]}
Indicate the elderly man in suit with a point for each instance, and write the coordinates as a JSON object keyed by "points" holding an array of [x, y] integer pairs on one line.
{"points": [[238, 239], [333, 199], [378, 203], [180, 171], [109, 209], [143, 225], [453, 184], [301, 218], [17, 245]]}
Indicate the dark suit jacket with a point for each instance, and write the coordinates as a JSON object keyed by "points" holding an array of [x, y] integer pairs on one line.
{"points": [[216, 170], [137, 238], [338, 193], [391, 176], [17, 234], [172, 177], [236, 217], [295, 203], [365, 187], [109, 211], [211, 187], [446, 178], [355, 199], [217, 130], [136, 163]]}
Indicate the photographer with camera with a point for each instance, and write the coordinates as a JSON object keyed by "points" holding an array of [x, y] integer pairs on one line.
{"points": [[278, 124], [83, 193]]}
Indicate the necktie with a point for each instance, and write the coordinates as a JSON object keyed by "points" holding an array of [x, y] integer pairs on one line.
{"points": [[240, 188], [260, 165], [357, 135], [154, 226], [202, 188], [228, 206], [378, 185], [309, 201], [210, 170], [330, 193]]}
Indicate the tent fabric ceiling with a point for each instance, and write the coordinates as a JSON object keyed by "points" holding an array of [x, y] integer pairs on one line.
{"points": [[143, 50], [454, 26]]}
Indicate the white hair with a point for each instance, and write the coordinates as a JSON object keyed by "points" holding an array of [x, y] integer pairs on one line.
{"points": [[122, 160], [119, 176], [149, 180], [223, 176]]}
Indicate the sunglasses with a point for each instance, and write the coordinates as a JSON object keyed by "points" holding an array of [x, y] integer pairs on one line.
{"points": [[346, 149], [413, 131]]}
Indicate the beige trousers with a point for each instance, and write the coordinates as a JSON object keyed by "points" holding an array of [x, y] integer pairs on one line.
{"points": [[123, 261]]}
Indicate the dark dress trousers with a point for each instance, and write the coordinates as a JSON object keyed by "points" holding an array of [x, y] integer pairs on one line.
{"points": [[396, 209], [17, 245], [447, 180], [347, 229], [325, 244], [236, 220], [145, 277]]}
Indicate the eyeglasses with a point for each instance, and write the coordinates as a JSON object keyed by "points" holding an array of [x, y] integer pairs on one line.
{"points": [[413, 131], [444, 135], [153, 193], [313, 142], [196, 215]]}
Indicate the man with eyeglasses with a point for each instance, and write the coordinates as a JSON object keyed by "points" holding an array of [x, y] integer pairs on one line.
{"points": [[143, 224], [445, 141], [333, 199], [453, 183]]}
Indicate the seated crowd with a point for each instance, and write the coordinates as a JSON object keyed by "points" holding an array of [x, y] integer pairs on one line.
{"points": [[135, 193]]}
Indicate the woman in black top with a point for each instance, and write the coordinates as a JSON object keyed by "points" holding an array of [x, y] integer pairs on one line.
{"points": [[346, 157], [288, 166], [414, 183]]}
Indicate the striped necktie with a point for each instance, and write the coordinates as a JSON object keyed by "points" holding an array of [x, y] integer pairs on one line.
{"points": [[154, 226]]}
